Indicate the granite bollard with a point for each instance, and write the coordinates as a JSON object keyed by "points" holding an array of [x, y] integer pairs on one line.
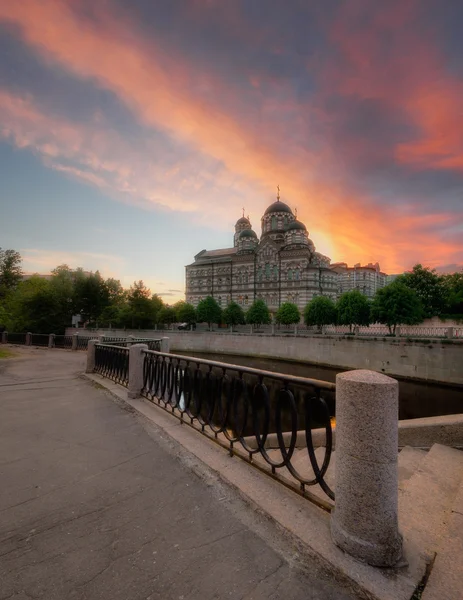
{"points": [[91, 356], [365, 519], [165, 345], [136, 358]]}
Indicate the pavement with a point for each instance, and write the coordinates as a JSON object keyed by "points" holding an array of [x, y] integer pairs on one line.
{"points": [[95, 504]]}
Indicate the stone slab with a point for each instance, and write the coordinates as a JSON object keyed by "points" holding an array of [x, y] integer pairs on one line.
{"points": [[426, 499], [409, 460]]}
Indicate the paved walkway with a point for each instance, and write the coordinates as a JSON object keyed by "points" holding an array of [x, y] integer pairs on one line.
{"points": [[92, 506]]}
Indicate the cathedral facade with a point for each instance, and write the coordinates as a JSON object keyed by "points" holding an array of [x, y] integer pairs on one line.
{"points": [[280, 266]]}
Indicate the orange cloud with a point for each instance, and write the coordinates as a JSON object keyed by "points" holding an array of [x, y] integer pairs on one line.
{"points": [[157, 87]]}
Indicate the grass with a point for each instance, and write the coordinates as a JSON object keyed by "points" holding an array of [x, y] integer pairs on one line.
{"points": [[6, 354]]}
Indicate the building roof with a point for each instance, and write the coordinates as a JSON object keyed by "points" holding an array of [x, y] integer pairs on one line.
{"points": [[243, 220], [205, 254], [296, 225], [278, 206]]}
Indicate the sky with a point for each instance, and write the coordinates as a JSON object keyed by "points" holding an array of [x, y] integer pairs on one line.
{"points": [[132, 133]]}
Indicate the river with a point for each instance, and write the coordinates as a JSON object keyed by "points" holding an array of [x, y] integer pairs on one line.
{"points": [[416, 398]]}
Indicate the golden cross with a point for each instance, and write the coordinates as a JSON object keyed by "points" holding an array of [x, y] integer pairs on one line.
{"points": [[278, 192], [295, 212], [243, 211]]}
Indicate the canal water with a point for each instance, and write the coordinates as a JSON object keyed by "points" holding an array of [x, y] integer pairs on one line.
{"points": [[416, 399]]}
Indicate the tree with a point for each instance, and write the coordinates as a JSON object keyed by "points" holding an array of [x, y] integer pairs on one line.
{"points": [[186, 313], [320, 311], [10, 270], [396, 304], [429, 288], [234, 314], [287, 314], [91, 296], [139, 311], [258, 313], [453, 289], [157, 304], [353, 308], [167, 315], [208, 311]]}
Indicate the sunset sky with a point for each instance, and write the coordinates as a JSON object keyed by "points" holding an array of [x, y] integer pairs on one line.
{"points": [[132, 132]]}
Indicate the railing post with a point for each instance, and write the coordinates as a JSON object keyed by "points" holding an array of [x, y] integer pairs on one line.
{"points": [[75, 337], [449, 333], [356, 329], [51, 340], [28, 338], [295, 330], [136, 358], [398, 331], [101, 339], [165, 345], [273, 328], [365, 519], [5, 337], [250, 330], [91, 356]]}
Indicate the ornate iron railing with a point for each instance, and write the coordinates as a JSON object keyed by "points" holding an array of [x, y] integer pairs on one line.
{"points": [[112, 362], [17, 338], [40, 339], [82, 342], [240, 407], [62, 341], [152, 344]]}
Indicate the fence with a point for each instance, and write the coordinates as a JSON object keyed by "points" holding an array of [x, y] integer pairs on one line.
{"points": [[73, 342], [235, 404], [113, 362]]}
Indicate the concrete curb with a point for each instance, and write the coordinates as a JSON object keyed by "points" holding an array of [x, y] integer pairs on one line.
{"points": [[306, 526]]}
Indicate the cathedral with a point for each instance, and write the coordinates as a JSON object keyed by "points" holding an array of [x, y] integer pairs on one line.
{"points": [[281, 266]]}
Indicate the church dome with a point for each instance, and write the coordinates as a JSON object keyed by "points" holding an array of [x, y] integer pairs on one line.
{"points": [[278, 206], [296, 225], [243, 221], [247, 233]]}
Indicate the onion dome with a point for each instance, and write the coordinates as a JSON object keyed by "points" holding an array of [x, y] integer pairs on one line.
{"points": [[247, 233], [296, 225], [278, 206], [243, 221]]}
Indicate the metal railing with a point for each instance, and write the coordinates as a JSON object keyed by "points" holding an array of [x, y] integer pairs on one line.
{"points": [[40, 339], [234, 404], [62, 341], [82, 342], [152, 344], [112, 362], [17, 338]]}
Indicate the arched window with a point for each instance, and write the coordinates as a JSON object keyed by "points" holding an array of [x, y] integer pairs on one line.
{"points": [[267, 271], [259, 274], [274, 222], [275, 272], [286, 219], [297, 275], [290, 275]]}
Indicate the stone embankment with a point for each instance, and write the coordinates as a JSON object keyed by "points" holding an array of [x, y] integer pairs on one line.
{"points": [[439, 361]]}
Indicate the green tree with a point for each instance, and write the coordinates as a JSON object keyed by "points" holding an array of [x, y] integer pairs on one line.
{"points": [[208, 311], [353, 308], [320, 311], [258, 313], [139, 311], [167, 315], [429, 288], [396, 304], [91, 296], [186, 313], [157, 304], [234, 314], [288, 314], [10, 271], [453, 289]]}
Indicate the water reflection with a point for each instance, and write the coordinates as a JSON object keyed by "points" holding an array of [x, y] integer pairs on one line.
{"points": [[416, 399]]}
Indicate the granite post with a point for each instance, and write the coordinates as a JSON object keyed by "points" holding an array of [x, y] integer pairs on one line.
{"points": [[51, 340], [75, 337], [449, 333], [365, 519], [5, 337], [165, 345], [28, 338], [136, 358], [91, 356]]}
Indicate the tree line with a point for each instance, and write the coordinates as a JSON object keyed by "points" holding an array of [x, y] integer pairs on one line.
{"points": [[46, 305]]}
